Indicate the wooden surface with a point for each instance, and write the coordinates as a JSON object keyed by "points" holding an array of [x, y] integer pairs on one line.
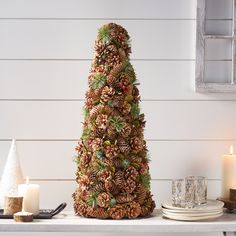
{"points": [[67, 222]]}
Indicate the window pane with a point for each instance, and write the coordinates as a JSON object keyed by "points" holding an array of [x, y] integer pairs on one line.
{"points": [[219, 9], [218, 71], [218, 49]]}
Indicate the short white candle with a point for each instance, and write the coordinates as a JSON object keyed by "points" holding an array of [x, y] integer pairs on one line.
{"points": [[228, 173], [30, 193]]}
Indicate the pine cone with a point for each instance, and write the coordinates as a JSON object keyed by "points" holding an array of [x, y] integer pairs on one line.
{"points": [[96, 144], [84, 160], [136, 144], [123, 198], [111, 151], [102, 121], [123, 145], [97, 212], [84, 182], [111, 187], [113, 76], [80, 147], [80, 209], [125, 132], [119, 179], [111, 132], [131, 173], [129, 185], [117, 101], [96, 110], [107, 94], [141, 194], [103, 200], [133, 210], [117, 212], [126, 108], [98, 187], [104, 175]]}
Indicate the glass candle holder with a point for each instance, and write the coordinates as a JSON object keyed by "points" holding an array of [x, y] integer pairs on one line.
{"points": [[178, 189], [200, 190], [190, 191]]}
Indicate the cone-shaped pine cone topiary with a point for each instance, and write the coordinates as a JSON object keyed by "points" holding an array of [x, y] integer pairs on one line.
{"points": [[112, 165]]}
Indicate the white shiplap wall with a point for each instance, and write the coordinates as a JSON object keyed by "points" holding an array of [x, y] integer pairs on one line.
{"points": [[46, 48]]}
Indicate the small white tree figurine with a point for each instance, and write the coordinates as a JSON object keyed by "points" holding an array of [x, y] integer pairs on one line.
{"points": [[11, 175]]}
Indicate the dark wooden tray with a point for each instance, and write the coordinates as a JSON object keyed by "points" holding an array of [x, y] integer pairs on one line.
{"points": [[43, 214]]}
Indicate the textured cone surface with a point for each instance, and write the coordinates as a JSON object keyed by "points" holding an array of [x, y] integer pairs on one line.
{"points": [[112, 165]]}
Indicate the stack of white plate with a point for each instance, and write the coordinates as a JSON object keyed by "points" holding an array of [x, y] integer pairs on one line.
{"points": [[212, 209]]}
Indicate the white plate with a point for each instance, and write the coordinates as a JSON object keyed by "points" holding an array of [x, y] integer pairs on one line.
{"points": [[192, 214], [211, 205], [188, 218]]}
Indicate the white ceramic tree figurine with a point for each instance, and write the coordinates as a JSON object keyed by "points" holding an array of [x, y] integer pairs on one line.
{"points": [[11, 175]]}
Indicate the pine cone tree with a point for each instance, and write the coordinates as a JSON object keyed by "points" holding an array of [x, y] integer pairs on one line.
{"points": [[112, 165], [117, 212], [103, 200], [133, 210]]}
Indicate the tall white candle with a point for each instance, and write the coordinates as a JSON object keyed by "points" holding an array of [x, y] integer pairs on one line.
{"points": [[228, 173], [30, 193]]}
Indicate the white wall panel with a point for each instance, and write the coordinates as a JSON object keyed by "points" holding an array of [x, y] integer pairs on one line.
{"points": [[187, 157], [165, 119], [161, 80], [147, 9], [68, 39]]}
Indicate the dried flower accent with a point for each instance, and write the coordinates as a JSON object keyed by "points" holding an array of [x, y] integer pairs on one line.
{"points": [[117, 212], [133, 210], [103, 200]]}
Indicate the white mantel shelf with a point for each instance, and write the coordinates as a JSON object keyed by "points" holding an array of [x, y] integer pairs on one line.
{"points": [[67, 222]]}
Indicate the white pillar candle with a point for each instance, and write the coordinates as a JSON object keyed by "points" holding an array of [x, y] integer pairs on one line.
{"points": [[30, 193], [228, 173]]}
